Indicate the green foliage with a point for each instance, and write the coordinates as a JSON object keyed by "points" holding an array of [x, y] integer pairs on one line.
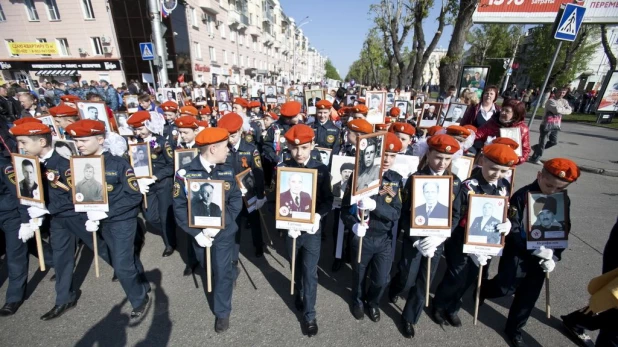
{"points": [[372, 65], [331, 72]]}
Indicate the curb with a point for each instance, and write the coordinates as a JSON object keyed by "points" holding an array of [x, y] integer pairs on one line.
{"points": [[594, 170]]}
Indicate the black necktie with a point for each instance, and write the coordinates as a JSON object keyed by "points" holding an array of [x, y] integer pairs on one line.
{"points": [[208, 210], [297, 201]]}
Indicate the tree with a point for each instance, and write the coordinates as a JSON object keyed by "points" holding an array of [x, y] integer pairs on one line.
{"points": [[607, 47], [331, 72]]}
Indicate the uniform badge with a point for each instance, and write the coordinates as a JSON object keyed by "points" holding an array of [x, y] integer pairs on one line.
{"points": [[536, 234], [10, 174], [330, 138], [176, 189], [79, 197], [258, 161], [50, 176], [282, 139], [153, 156], [226, 186], [388, 199], [249, 138], [244, 162], [168, 149], [512, 211], [452, 197], [110, 188]]}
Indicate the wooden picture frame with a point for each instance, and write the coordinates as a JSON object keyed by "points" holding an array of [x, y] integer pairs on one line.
{"points": [[123, 126], [438, 191], [301, 183], [94, 111], [311, 99], [485, 235], [131, 102], [367, 179], [222, 95], [199, 95], [548, 220], [327, 151], [510, 177], [403, 107], [428, 118], [28, 180], [462, 167], [339, 179], [49, 121], [198, 218], [65, 148], [376, 105], [182, 153], [89, 193], [351, 99], [141, 163], [515, 135], [246, 183]]}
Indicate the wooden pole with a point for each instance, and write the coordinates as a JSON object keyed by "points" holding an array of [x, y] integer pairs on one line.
{"points": [[39, 247], [547, 303], [95, 248], [478, 295], [208, 269], [145, 201], [428, 282], [360, 242], [265, 227], [293, 265]]}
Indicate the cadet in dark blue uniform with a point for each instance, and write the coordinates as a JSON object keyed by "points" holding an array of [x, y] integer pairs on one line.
{"points": [[268, 120], [326, 133], [300, 141], [274, 141], [170, 131], [417, 251], [381, 211], [119, 225], [243, 156], [406, 134], [462, 269], [158, 189], [210, 165]]}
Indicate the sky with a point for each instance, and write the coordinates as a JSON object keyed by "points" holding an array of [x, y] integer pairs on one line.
{"points": [[338, 28]]}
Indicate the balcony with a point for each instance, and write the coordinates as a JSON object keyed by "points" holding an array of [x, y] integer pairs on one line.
{"points": [[268, 39], [210, 5], [268, 17], [237, 20], [254, 30]]}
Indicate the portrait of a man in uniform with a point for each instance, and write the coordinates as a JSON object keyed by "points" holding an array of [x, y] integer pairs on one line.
{"points": [[431, 201], [369, 170], [139, 160], [545, 212], [28, 185], [346, 171], [484, 226], [295, 198], [90, 189]]}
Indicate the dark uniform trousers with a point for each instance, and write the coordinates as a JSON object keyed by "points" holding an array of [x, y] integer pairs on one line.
{"points": [[375, 258], [306, 272], [347, 240], [16, 256]]}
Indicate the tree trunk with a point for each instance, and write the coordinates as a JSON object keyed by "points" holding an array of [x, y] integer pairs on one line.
{"points": [[608, 48]]}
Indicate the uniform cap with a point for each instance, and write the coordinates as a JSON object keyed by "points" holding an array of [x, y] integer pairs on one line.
{"points": [[242, 102], [347, 166], [362, 109], [30, 128], [299, 134], [188, 103], [63, 110], [290, 109], [456, 130], [381, 127], [231, 122], [70, 98], [27, 120], [471, 128], [434, 130], [394, 112], [405, 128], [506, 141], [323, 104], [169, 106], [205, 110], [138, 118], [190, 110], [210, 136], [360, 126], [342, 110], [562, 168], [254, 103], [272, 115], [86, 128], [393, 144], [443, 143], [187, 122], [203, 124], [500, 154], [361, 100]]}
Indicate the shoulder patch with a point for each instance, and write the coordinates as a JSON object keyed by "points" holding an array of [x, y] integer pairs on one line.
{"points": [[168, 150], [257, 160], [10, 174], [176, 189], [129, 173], [226, 186], [133, 183]]}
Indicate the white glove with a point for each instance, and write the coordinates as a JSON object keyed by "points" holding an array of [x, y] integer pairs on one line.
{"points": [[35, 223], [544, 253], [96, 215], [210, 232], [259, 203], [418, 246], [504, 228], [92, 226], [293, 233], [316, 224], [146, 181], [480, 259], [429, 244], [547, 265], [36, 212], [143, 187], [26, 232], [359, 230], [203, 240], [366, 203]]}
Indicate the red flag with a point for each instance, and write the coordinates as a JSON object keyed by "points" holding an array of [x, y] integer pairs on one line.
{"points": [[181, 78]]}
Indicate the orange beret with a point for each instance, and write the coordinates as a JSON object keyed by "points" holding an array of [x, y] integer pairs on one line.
{"points": [[203, 124], [361, 100], [86, 128], [190, 110], [254, 103], [27, 120], [188, 103], [457, 130], [360, 126], [393, 143], [342, 110], [433, 130], [380, 127], [323, 104], [290, 109], [63, 110], [187, 122], [506, 141], [562, 168], [69, 98], [272, 115], [231, 122], [205, 110], [299, 134], [169, 106], [471, 128], [405, 128], [210, 136], [242, 102], [500, 154], [360, 109], [29, 129], [138, 118], [443, 143], [394, 112]]}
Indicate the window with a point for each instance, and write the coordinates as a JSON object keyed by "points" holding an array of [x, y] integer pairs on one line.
{"points": [[247, 40], [210, 25], [234, 61], [240, 38], [43, 40], [63, 47], [213, 53], [33, 15], [254, 44], [193, 16], [233, 35], [2, 16], [198, 50], [242, 61], [52, 10], [87, 8], [224, 57], [222, 30], [97, 47], [254, 63], [7, 41]]}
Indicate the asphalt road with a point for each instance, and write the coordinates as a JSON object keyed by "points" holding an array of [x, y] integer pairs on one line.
{"points": [[263, 309]]}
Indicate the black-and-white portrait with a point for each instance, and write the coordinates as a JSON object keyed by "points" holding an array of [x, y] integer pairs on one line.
{"points": [[140, 159], [206, 199], [376, 105], [513, 134], [455, 114], [199, 96], [51, 124], [341, 172], [123, 126], [65, 148], [89, 180], [547, 217], [431, 204], [390, 99], [484, 215], [280, 99], [351, 100], [368, 172], [222, 95], [462, 167], [296, 194], [270, 94], [131, 102], [28, 177], [324, 155], [403, 107], [430, 115], [224, 106], [94, 111], [183, 157], [246, 183]]}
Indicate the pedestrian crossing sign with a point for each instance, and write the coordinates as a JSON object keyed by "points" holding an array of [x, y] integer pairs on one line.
{"points": [[570, 23], [147, 50]]}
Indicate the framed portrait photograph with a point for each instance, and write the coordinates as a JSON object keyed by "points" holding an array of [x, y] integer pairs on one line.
{"points": [[368, 166], [51, 124], [390, 100], [140, 159], [311, 99], [474, 79], [454, 114], [405, 96], [419, 100], [280, 90], [199, 96], [350, 99], [123, 126], [224, 106], [432, 199], [325, 154], [28, 180], [402, 105], [547, 220], [341, 172], [90, 188], [270, 94], [405, 165], [376, 103], [206, 203], [66, 148], [485, 212], [168, 94], [94, 111], [183, 157], [222, 95], [281, 99], [513, 134], [246, 183], [510, 177], [234, 89], [462, 167], [295, 197], [430, 114], [131, 102]]}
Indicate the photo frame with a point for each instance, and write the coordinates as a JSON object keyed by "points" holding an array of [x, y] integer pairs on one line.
{"points": [[234, 89], [206, 203], [295, 198], [28, 180], [65, 148], [270, 94], [49, 121], [431, 212], [473, 78], [547, 220], [455, 113], [510, 177], [89, 185], [351, 99], [376, 105], [281, 99], [405, 96], [139, 156], [368, 165], [462, 167], [311, 99], [341, 172], [224, 107], [403, 107], [199, 96], [94, 111], [246, 183], [222, 95], [485, 212], [325, 154], [131, 102], [430, 114], [170, 94], [405, 165], [183, 156], [390, 99], [123, 126], [515, 135]]}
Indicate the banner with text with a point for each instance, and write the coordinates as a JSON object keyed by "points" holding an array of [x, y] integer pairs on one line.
{"points": [[541, 11], [36, 48]]}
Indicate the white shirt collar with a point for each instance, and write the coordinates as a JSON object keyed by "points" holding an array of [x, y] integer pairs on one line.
{"points": [[47, 156], [436, 173], [190, 144], [206, 164], [237, 145]]}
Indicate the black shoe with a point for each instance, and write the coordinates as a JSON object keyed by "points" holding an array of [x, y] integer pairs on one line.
{"points": [[453, 320], [534, 160], [517, 341], [393, 298], [438, 315], [259, 252], [576, 332], [221, 325], [336, 265], [358, 312], [312, 328], [142, 309], [374, 314], [169, 250], [58, 311], [10, 308], [189, 270], [114, 278], [407, 328], [52, 278], [298, 302]]}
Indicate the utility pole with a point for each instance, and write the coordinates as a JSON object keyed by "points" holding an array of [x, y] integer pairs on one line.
{"points": [[509, 64], [159, 41]]}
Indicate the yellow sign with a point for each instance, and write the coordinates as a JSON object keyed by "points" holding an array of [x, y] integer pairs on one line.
{"points": [[36, 48]]}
